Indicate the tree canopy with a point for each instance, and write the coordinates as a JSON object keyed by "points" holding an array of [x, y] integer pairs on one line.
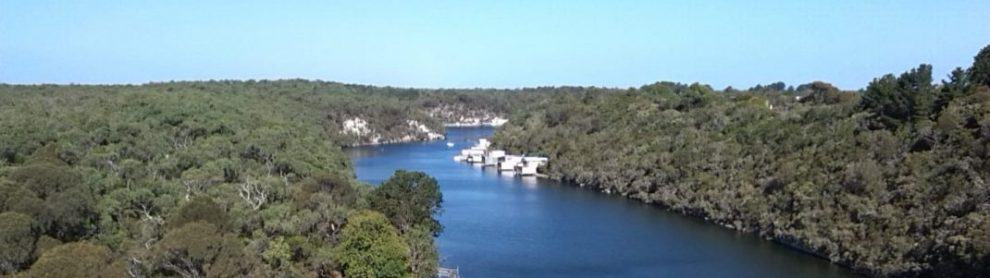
{"points": [[371, 247], [18, 233], [409, 199], [889, 181], [212, 178], [77, 259]]}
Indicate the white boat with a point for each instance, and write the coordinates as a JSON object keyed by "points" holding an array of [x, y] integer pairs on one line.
{"points": [[476, 153], [493, 157], [469, 152], [476, 158], [484, 143], [509, 163], [528, 169]]}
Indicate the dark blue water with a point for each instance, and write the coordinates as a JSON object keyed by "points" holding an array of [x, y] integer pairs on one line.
{"points": [[503, 226]]}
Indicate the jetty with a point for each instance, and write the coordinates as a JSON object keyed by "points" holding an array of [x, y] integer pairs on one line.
{"points": [[481, 153], [443, 272]]}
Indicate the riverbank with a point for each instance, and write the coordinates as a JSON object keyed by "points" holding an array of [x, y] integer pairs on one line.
{"points": [[823, 174], [735, 226], [536, 227]]}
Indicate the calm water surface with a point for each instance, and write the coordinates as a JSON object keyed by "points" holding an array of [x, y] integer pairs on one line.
{"points": [[497, 225]]}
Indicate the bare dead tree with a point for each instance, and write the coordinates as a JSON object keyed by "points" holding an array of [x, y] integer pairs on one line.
{"points": [[253, 193], [134, 266], [179, 263], [156, 221]]}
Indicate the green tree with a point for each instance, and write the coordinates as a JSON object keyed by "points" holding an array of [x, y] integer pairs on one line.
{"points": [[370, 247], [895, 101], [200, 249], [823, 93], [979, 73], [16, 198], [957, 86], [408, 199], [77, 259], [46, 179], [68, 208], [423, 256], [201, 208], [278, 253], [917, 85], [72, 213], [18, 233]]}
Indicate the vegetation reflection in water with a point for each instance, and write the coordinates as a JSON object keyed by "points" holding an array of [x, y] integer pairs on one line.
{"points": [[498, 225]]}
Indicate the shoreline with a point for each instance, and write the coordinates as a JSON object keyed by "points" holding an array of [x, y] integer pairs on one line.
{"points": [[787, 241], [445, 125]]}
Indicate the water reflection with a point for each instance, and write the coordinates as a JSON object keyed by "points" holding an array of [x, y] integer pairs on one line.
{"points": [[529, 181], [502, 225]]}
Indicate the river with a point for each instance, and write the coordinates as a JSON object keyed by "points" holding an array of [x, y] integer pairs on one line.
{"points": [[496, 225]]}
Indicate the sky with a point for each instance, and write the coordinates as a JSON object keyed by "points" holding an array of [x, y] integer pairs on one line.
{"points": [[502, 44]]}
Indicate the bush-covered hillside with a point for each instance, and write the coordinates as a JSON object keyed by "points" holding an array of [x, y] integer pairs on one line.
{"points": [[211, 179], [889, 181]]}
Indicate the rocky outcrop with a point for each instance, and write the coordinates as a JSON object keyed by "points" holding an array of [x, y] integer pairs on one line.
{"points": [[461, 115], [359, 131]]}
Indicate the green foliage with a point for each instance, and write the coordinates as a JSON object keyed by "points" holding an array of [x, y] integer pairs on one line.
{"points": [[44, 244], [78, 259], [201, 208], [18, 233], [895, 101], [18, 199], [980, 72], [278, 252], [409, 199], [957, 86], [892, 184], [371, 247], [46, 179], [200, 249], [423, 254], [823, 93], [130, 168], [58, 199]]}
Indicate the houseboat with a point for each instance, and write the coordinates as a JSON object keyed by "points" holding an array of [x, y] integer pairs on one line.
{"points": [[510, 162], [527, 169], [530, 164], [493, 157], [504, 162]]}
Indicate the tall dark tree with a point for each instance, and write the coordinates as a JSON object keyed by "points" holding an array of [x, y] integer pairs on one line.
{"points": [[980, 72], [409, 199], [895, 101], [957, 85], [917, 85]]}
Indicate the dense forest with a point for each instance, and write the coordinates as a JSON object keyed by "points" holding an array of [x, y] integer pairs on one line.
{"points": [[890, 180], [212, 179], [247, 178]]}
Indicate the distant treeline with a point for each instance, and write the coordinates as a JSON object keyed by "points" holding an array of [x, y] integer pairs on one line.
{"points": [[890, 180]]}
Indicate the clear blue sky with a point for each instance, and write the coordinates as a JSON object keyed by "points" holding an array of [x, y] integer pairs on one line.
{"points": [[487, 43]]}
